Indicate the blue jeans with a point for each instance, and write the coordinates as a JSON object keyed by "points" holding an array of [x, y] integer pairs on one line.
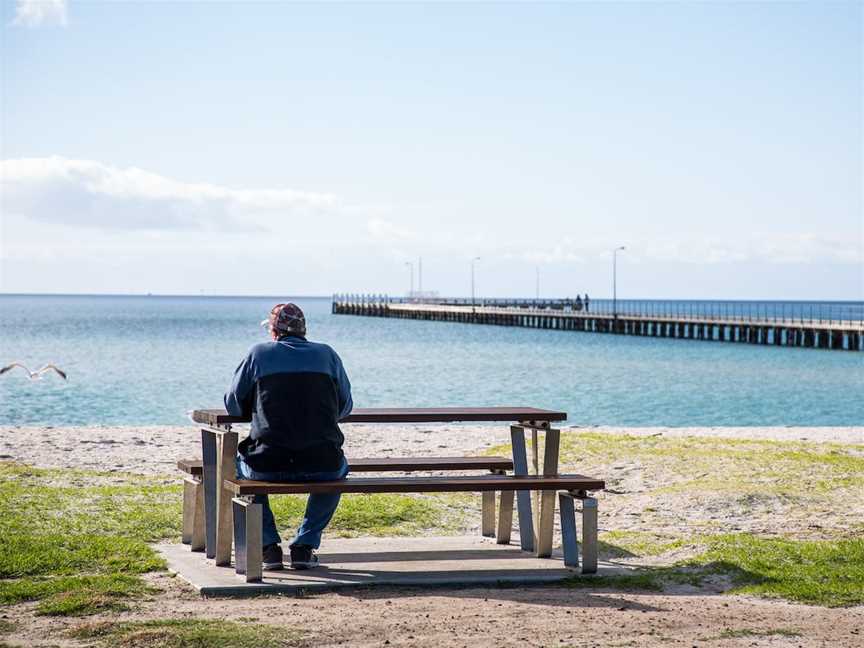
{"points": [[319, 509]]}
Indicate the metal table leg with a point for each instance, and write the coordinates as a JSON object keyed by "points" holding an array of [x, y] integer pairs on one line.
{"points": [[523, 498]]}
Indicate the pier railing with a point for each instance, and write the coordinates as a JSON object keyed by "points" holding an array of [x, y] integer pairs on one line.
{"points": [[828, 313]]}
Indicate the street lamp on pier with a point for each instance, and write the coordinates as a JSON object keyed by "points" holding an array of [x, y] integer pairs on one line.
{"points": [[411, 270], [473, 261], [537, 284], [615, 280]]}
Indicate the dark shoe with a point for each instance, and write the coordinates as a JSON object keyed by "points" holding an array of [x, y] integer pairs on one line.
{"points": [[271, 559], [303, 557]]}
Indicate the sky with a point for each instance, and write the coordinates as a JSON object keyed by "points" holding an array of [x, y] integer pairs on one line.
{"points": [[279, 148]]}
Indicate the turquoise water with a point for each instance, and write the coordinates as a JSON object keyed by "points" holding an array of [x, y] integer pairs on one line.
{"points": [[149, 360]]}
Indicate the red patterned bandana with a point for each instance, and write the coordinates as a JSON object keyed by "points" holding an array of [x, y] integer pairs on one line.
{"points": [[286, 319]]}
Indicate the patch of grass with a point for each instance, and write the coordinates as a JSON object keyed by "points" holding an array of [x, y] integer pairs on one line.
{"points": [[640, 543], [74, 595], [56, 554], [711, 464], [67, 502], [187, 633], [652, 579], [75, 540], [381, 515], [748, 632], [641, 580], [819, 572]]}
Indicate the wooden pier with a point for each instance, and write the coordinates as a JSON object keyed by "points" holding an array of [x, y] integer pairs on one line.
{"points": [[560, 315]]}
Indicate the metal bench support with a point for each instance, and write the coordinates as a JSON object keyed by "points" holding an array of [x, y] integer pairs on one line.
{"points": [[487, 526], [566, 502], [226, 470], [546, 525], [219, 449], [523, 498], [536, 535], [247, 538], [188, 509], [208, 452], [505, 517], [193, 513]]}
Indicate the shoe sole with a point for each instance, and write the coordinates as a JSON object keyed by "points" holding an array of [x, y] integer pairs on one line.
{"points": [[272, 566], [303, 565]]}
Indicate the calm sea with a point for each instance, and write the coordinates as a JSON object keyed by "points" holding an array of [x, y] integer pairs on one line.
{"points": [[149, 360]]}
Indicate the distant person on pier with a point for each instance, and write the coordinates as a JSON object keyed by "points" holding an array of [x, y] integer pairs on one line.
{"points": [[578, 305], [586, 302], [296, 392]]}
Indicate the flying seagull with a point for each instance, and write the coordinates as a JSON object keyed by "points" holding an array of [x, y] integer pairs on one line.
{"points": [[34, 375]]}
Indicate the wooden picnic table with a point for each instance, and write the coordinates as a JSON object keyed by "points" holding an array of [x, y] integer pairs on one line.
{"points": [[219, 448]]}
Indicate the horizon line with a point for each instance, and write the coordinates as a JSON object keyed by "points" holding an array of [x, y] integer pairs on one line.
{"points": [[330, 296]]}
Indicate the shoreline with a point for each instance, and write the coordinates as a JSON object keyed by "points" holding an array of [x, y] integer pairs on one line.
{"points": [[155, 450]]}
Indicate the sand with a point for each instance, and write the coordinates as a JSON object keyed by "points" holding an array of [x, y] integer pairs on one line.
{"points": [[156, 449]]}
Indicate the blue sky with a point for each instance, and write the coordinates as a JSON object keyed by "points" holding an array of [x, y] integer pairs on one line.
{"points": [[281, 148]]}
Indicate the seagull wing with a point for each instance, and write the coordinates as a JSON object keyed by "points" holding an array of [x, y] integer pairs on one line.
{"points": [[49, 367], [12, 366]]}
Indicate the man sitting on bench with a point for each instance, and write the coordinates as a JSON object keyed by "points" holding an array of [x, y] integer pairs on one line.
{"points": [[296, 391]]}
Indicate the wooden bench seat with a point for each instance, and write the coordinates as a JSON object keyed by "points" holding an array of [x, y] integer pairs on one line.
{"points": [[247, 514], [193, 502], [395, 464], [472, 484]]}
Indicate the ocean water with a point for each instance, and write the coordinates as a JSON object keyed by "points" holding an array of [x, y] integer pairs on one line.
{"points": [[149, 360]]}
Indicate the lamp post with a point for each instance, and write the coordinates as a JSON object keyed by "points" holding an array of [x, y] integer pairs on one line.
{"points": [[615, 280], [411, 270], [473, 261], [537, 286]]}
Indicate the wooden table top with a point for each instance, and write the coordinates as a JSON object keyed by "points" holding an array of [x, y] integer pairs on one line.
{"points": [[410, 415]]}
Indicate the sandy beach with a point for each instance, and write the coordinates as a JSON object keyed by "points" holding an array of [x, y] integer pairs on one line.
{"points": [[156, 449]]}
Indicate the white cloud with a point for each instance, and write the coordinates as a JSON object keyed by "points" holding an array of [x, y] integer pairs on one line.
{"points": [[33, 13], [386, 231], [794, 248], [88, 193]]}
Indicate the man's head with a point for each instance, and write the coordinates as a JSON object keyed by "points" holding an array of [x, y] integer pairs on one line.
{"points": [[285, 319]]}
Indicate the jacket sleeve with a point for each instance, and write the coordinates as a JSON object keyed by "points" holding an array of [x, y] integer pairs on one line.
{"points": [[343, 387], [238, 399]]}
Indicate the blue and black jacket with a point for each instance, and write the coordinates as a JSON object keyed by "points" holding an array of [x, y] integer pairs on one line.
{"points": [[296, 391]]}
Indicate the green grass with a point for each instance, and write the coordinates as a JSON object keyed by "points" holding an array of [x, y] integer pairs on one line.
{"points": [[719, 464], [380, 515], [74, 595], [821, 572], [28, 554], [743, 633], [77, 541], [647, 580], [618, 544], [186, 633], [732, 464]]}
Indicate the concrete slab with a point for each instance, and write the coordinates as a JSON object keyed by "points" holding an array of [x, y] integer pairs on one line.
{"points": [[364, 562]]}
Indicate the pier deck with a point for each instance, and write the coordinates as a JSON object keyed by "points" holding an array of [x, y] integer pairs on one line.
{"points": [[558, 315]]}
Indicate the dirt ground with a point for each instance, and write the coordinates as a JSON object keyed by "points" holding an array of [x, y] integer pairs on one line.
{"points": [[469, 617]]}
